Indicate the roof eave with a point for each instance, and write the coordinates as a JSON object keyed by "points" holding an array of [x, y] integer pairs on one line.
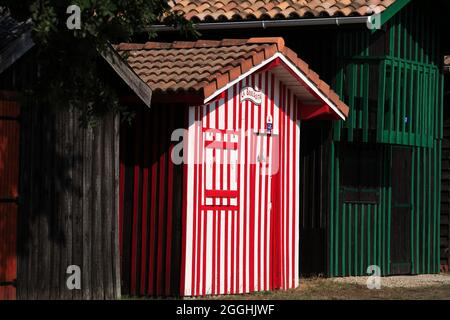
{"points": [[15, 50]]}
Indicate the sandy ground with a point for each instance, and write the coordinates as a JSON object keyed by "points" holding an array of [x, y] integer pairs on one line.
{"points": [[402, 281], [423, 287]]}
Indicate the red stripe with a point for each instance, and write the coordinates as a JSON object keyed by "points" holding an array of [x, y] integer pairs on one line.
{"points": [[161, 213], [283, 177], [287, 188], [259, 194], [195, 241], [184, 214], [135, 205], [252, 200], [153, 213], [238, 219], [144, 207], [205, 225], [295, 173], [246, 188], [169, 211], [218, 213], [283, 188], [226, 272], [266, 188]]}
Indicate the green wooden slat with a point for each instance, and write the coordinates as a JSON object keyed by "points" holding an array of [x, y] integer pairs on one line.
{"points": [[392, 105], [398, 106], [355, 257], [438, 211], [338, 209], [366, 86], [410, 104], [389, 216], [430, 209], [381, 102], [349, 260], [413, 210], [332, 253], [369, 243], [424, 192], [344, 234], [375, 235], [362, 241], [419, 209], [405, 138]]}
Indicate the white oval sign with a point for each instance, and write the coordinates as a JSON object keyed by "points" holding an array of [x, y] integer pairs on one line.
{"points": [[251, 94]]}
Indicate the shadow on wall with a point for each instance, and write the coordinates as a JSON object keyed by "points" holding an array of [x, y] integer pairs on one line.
{"points": [[68, 187]]}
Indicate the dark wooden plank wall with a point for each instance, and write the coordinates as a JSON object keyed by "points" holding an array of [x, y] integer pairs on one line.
{"points": [[151, 199], [68, 206], [314, 182], [445, 198]]}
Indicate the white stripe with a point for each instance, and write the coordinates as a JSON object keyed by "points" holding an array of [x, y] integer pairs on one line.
{"points": [[222, 252], [189, 203], [230, 235], [291, 184], [201, 231], [284, 188], [247, 227], [242, 195], [297, 197], [209, 239]]}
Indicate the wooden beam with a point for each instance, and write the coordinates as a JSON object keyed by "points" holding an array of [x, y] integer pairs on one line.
{"points": [[127, 74], [15, 50], [392, 10]]}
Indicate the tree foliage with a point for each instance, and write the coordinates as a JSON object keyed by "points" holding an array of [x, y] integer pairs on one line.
{"points": [[69, 73]]}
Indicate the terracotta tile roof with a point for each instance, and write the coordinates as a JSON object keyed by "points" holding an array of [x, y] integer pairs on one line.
{"points": [[223, 10], [203, 67]]}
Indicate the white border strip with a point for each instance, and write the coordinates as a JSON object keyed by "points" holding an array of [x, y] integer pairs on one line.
{"points": [[300, 74]]}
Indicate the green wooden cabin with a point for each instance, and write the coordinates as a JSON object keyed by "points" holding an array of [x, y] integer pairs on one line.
{"points": [[372, 185]]}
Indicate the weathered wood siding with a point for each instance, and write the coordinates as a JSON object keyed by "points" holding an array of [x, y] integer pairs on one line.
{"points": [[445, 202], [68, 206]]}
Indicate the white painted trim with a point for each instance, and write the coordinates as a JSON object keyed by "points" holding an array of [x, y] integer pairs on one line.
{"points": [[300, 74], [241, 77], [311, 85]]}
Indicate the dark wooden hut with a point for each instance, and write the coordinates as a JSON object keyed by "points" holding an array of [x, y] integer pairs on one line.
{"points": [[59, 183]]}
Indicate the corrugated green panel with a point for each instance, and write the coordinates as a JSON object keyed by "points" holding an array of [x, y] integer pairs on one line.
{"points": [[361, 233], [426, 208]]}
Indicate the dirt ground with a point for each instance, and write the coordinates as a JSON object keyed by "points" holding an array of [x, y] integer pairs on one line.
{"points": [[425, 287]]}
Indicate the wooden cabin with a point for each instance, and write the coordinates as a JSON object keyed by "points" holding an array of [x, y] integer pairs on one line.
{"points": [[224, 217]]}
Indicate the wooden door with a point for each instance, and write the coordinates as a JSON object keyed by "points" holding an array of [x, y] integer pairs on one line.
{"points": [[401, 211], [9, 176]]}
